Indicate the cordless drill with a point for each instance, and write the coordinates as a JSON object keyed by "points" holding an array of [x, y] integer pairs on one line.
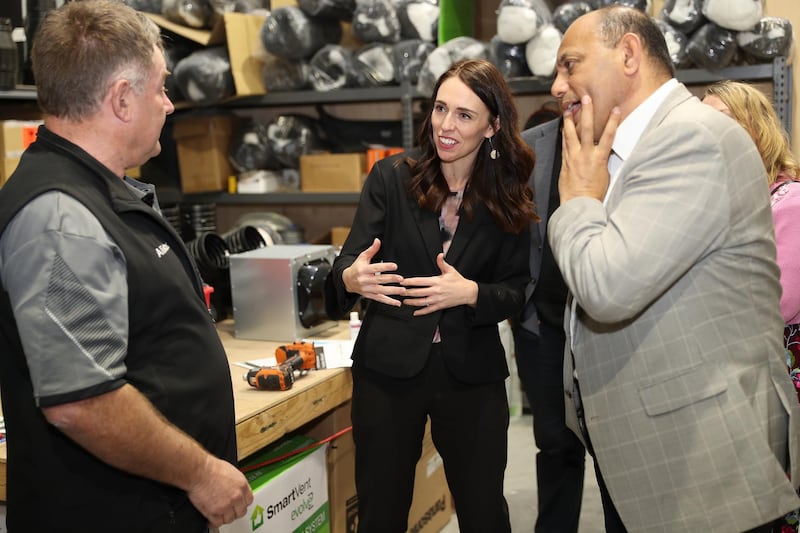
{"points": [[298, 356]]}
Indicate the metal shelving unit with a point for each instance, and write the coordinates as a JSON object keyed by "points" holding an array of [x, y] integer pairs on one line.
{"points": [[778, 72]]}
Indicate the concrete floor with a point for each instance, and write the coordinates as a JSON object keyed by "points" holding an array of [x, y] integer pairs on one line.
{"points": [[520, 484]]}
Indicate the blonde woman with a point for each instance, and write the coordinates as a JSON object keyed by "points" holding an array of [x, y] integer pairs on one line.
{"points": [[753, 110]]}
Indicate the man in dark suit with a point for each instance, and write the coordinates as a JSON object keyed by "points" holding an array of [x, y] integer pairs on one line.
{"points": [[539, 339]]}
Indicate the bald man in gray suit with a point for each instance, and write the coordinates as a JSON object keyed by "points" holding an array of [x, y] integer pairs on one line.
{"points": [[674, 373]]}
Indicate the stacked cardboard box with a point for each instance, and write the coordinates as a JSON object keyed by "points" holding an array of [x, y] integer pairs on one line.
{"points": [[288, 496], [15, 137]]}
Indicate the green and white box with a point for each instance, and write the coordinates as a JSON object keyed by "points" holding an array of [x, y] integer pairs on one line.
{"points": [[290, 496]]}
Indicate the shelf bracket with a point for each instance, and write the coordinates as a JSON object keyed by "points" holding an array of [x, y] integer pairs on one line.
{"points": [[782, 92]]}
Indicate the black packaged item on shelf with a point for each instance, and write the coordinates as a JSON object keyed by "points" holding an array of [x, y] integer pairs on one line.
{"points": [[334, 9], [250, 149], [281, 74], [292, 135], [736, 15], [541, 51], [288, 32], [204, 76], [419, 19], [331, 68], [409, 56], [712, 47], [684, 15], [641, 5], [175, 50], [770, 38], [568, 12], [146, 6], [35, 11], [676, 44], [348, 136], [374, 65], [508, 58], [192, 13], [376, 21], [239, 6], [9, 62]]}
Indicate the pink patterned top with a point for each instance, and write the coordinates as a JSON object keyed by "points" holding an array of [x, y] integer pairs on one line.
{"points": [[785, 201]]}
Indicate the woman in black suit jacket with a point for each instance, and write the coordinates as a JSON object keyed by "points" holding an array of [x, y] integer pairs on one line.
{"points": [[439, 248]]}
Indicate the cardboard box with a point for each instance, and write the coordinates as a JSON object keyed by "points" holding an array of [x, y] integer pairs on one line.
{"points": [[202, 144], [9, 165], [289, 496], [339, 234], [431, 507], [15, 137], [332, 172]]}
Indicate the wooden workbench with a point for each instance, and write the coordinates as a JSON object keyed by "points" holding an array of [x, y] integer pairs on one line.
{"points": [[262, 417]]}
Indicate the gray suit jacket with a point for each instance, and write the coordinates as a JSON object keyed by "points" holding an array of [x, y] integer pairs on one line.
{"points": [[542, 139], [677, 342]]}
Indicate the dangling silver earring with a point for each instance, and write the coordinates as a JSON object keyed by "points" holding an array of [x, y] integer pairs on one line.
{"points": [[494, 154]]}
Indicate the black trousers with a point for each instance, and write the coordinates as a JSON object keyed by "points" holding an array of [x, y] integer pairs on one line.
{"points": [[469, 426], [560, 461]]}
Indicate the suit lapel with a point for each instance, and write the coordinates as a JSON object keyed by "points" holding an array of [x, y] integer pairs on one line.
{"points": [[428, 225], [464, 232]]}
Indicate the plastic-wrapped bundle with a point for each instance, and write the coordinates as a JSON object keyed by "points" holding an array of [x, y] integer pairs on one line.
{"points": [[676, 44], [508, 58], [250, 149], [771, 37], [204, 76], [192, 13], [374, 65], [683, 15], [736, 15], [333, 9], [238, 6], [712, 47], [376, 21], [642, 5], [567, 13], [293, 135], [288, 32], [332, 67], [409, 56], [541, 51], [146, 6], [440, 59], [419, 19], [174, 51], [519, 20], [281, 74]]}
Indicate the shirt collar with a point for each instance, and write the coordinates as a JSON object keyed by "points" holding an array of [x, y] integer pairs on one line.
{"points": [[631, 129]]}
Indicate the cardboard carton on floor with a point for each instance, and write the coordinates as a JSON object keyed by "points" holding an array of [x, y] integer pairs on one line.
{"points": [[431, 507], [290, 496]]}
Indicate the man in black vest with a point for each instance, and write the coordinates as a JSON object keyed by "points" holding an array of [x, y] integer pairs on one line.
{"points": [[116, 390]]}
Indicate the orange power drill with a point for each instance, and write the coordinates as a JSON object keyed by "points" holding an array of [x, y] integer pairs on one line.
{"points": [[299, 356]]}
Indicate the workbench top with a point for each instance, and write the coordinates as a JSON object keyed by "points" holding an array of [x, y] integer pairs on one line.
{"points": [[262, 417]]}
